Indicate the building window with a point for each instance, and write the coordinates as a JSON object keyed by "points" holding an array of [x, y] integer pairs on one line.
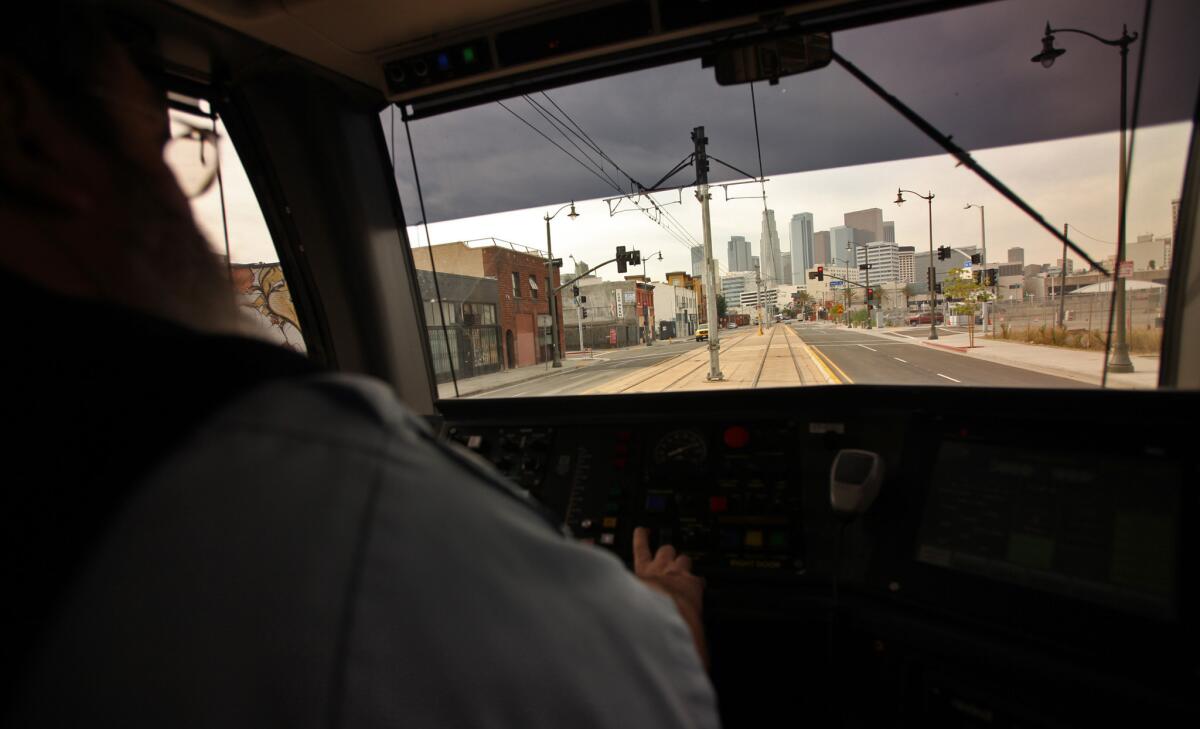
{"points": [[516, 285], [533, 286]]}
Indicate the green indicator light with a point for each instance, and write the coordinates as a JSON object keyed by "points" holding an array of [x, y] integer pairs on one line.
{"points": [[468, 55]]}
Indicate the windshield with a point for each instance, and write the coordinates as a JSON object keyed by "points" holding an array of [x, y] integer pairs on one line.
{"points": [[548, 267]]}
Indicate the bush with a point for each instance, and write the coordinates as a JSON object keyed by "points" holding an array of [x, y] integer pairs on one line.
{"points": [[1141, 341]]}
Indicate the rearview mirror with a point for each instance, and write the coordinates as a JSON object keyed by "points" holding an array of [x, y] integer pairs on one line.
{"points": [[770, 60]]}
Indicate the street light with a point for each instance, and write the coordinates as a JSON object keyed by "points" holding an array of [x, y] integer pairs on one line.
{"points": [[932, 275], [983, 258], [649, 331], [557, 362], [1120, 361]]}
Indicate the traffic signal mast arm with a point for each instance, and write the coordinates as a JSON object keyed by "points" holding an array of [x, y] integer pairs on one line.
{"points": [[838, 278], [621, 256]]}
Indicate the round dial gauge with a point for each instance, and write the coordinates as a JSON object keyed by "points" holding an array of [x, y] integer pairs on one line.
{"points": [[681, 446]]}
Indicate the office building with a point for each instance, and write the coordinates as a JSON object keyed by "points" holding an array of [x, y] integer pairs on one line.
{"points": [[904, 260], [884, 259], [870, 221], [698, 261], [787, 268], [889, 231], [821, 253], [841, 245], [768, 249], [800, 243], [739, 254], [1016, 255]]}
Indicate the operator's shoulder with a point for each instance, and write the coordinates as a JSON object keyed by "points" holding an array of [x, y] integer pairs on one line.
{"points": [[325, 406]]}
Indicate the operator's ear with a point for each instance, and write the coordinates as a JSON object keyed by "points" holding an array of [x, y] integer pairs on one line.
{"points": [[45, 164]]}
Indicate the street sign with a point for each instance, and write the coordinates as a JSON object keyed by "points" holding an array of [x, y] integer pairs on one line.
{"points": [[834, 284], [1125, 269], [966, 264], [556, 262]]}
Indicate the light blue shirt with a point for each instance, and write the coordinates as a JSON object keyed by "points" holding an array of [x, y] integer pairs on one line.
{"points": [[313, 558]]}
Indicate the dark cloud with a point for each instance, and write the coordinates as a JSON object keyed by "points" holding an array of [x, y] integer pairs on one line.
{"points": [[967, 71]]}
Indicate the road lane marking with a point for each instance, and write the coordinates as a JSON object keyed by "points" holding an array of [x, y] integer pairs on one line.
{"points": [[824, 360], [866, 347], [899, 360], [949, 378]]}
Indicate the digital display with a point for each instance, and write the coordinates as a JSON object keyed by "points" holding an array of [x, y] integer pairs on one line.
{"points": [[1076, 524]]}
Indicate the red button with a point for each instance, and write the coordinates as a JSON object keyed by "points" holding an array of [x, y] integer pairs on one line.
{"points": [[736, 436], [717, 504]]}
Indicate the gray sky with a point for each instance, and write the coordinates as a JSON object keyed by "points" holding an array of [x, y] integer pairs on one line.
{"points": [[828, 145]]}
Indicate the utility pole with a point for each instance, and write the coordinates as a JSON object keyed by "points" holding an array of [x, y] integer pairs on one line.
{"points": [[710, 266], [1062, 284], [867, 267], [758, 294]]}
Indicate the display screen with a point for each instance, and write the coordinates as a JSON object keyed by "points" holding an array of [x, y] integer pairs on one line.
{"points": [[1076, 524]]}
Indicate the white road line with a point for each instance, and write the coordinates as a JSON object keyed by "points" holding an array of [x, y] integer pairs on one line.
{"points": [[899, 360], [866, 347], [948, 378]]}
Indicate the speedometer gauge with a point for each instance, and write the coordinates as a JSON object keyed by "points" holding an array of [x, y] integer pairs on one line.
{"points": [[681, 446]]}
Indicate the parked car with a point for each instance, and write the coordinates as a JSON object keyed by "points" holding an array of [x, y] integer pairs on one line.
{"points": [[702, 334], [732, 325], [924, 318]]}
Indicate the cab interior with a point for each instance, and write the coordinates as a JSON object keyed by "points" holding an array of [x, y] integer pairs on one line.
{"points": [[862, 620]]}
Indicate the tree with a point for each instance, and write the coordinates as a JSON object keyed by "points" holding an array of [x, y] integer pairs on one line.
{"points": [[961, 285], [720, 306]]}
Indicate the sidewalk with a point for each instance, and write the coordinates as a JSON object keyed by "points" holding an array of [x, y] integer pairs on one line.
{"points": [[504, 378], [1076, 364]]}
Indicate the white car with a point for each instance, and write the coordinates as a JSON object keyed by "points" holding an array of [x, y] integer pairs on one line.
{"points": [[731, 325]]}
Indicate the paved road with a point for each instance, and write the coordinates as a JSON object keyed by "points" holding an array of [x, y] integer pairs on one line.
{"points": [[872, 360], [609, 365]]}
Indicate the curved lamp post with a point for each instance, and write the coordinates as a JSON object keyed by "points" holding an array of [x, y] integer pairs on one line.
{"points": [[932, 276], [557, 361], [1120, 361]]}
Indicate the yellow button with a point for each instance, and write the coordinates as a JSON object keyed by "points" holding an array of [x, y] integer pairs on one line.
{"points": [[610, 522], [754, 538]]}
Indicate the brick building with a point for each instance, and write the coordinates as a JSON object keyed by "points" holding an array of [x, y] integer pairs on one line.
{"points": [[523, 309]]}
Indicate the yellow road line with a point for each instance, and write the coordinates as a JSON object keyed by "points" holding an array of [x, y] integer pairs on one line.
{"points": [[823, 359]]}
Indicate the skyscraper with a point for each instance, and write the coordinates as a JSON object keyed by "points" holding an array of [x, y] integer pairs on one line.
{"points": [[800, 243], [841, 244], [768, 250], [869, 220], [787, 267], [698, 261], [889, 231], [739, 254], [821, 254]]}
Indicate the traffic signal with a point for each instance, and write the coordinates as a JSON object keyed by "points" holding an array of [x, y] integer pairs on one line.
{"points": [[582, 313], [992, 276], [978, 276], [937, 288], [976, 258], [635, 257], [820, 273], [583, 299], [943, 252], [622, 257], [575, 291]]}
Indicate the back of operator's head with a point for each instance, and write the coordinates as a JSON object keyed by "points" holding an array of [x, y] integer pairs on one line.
{"points": [[88, 206]]}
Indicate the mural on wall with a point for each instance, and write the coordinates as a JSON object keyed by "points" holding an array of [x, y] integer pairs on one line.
{"points": [[263, 291]]}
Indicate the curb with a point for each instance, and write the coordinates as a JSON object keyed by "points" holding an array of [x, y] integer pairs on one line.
{"points": [[492, 388], [950, 347]]}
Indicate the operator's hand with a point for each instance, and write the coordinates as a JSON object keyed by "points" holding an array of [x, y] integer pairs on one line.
{"points": [[671, 574]]}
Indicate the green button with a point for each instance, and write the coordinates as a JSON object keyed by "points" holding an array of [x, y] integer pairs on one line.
{"points": [[778, 539], [468, 54]]}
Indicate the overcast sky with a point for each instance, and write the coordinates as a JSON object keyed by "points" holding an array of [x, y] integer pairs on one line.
{"points": [[828, 145]]}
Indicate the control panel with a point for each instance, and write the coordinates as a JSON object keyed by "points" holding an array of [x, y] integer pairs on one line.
{"points": [[730, 496]]}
